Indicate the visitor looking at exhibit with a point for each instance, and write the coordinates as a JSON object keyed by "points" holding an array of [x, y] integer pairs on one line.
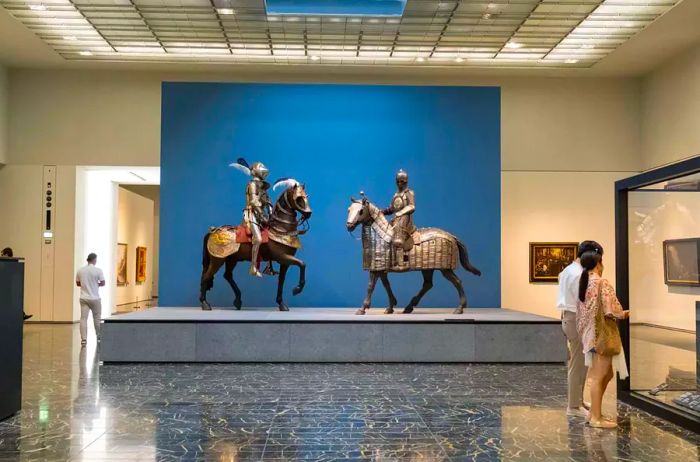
{"points": [[90, 278], [566, 303], [597, 314]]}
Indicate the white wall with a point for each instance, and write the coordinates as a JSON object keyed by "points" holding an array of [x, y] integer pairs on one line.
{"points": [[551, 207], [548, 126], [671, 111], [4, 110], [21, 197], [135, 228], [654, 218]]}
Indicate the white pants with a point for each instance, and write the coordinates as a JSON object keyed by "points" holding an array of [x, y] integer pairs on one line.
{"points": [[85, 307]]}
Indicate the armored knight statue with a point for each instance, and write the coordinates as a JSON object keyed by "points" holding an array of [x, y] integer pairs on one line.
{"points": [[403, 204], [258, 206]]}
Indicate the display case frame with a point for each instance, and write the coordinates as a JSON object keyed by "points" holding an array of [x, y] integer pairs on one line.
{"points": [[622, 189]]}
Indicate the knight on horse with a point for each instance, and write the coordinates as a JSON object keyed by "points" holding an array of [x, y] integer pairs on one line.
{"points": [[267, 233], [403, 204], [258, 208]]}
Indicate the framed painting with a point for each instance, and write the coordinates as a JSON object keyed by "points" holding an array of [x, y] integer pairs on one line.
{"points": [[122, 278], [682, 262], [140, 265], [548, 259]]}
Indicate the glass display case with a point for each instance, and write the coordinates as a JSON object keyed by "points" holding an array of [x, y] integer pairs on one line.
{"points": [[658, 280]]}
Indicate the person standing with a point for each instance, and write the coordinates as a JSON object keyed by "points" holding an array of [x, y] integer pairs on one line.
{"points": [[90, 278], [567, 302], [602, 346]]}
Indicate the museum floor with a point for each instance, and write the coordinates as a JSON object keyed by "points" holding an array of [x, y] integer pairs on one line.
{"points": [[75, 409]]}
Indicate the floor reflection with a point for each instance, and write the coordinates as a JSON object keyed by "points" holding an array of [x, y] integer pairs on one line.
{"points": [[75, 409]]}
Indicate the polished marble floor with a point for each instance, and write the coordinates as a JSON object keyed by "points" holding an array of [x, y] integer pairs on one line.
{"points": [[75, 409]]}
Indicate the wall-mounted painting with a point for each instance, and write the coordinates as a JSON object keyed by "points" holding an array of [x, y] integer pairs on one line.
{"points": [[548, 259], [140, 265], [682, 262], [122, 278]]}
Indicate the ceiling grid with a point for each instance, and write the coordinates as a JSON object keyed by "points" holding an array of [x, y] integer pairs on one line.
{"points": [[468, 33]]}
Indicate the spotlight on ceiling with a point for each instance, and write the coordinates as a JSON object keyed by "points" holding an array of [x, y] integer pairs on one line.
{"points": [[459, 60], [514, 45], [588, 46], [571, 61], [225, 11], [86, 53], [70, 37], [315, 58], [420, 59], [37, 7]]}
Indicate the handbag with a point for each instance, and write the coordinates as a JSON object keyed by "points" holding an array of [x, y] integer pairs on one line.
{"points": [[607, 335]]}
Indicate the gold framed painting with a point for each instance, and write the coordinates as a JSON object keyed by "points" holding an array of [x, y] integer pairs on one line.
{"points": [[140, 265], [548, 259], [122, 277], [682, 262]]}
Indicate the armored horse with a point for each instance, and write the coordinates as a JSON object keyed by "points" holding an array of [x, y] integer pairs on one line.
{"points": [[228, 245], [433, 249]]}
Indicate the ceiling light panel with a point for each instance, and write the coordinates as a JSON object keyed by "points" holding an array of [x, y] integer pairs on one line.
{"points": [[550, 33]]}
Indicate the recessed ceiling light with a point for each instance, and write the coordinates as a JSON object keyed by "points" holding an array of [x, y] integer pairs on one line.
{"points": [[225, 11], [355, 19], [374, 20], [70, 37], [336, 19], [486, 16], [514, 45], [38, 7], [292, 19], [86, 53], [459, 60], [315, 58], [571, 61], [273, 18], [420, 59], [588, 46]]}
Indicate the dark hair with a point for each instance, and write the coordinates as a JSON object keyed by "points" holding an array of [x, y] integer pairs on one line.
{"points": [[92, 257], [589, 260], [7, 252], [589, 246]]}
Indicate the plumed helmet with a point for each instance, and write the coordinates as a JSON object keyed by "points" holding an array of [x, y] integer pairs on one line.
{"points": [[258, 170], [402, 175]]}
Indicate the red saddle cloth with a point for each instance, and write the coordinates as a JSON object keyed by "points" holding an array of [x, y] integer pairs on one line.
{"points": [[243, 235]]}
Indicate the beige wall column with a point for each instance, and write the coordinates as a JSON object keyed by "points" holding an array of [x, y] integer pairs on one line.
{"points": [[4, 115]]}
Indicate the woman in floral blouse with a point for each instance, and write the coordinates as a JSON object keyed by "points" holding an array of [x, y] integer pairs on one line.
{"points": [[600, 370]]}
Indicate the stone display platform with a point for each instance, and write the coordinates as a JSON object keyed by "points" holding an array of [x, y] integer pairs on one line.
{"points": [[330, 335]]}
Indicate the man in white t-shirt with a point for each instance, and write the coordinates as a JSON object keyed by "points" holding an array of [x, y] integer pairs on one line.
{"points": [[90, 278], [566, 302]]}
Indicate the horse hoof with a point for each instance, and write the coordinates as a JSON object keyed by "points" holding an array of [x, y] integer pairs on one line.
{"points": [[360, 311], [297, 290], [283, 307], [237, 304], [206, 306], [458, 311], [407, 310], [389, 311]]}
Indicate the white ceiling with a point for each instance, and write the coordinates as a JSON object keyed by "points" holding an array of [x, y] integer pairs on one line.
{"points": [[597, 37]]}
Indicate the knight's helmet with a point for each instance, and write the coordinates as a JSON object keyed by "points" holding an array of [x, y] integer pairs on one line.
{"points": [[401, 177], [259, 171]]}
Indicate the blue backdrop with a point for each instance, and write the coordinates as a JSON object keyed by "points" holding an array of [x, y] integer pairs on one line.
{"points": [[338, 140]]}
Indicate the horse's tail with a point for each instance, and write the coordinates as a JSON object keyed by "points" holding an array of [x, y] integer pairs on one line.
{"points": [[206, 258], [205, 253], [464, 259]]}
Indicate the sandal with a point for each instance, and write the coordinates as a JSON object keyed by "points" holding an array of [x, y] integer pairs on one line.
{"points": [[603, 423]]}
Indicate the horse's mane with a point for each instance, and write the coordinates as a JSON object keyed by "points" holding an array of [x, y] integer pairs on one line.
{"points": [[379, 222]]}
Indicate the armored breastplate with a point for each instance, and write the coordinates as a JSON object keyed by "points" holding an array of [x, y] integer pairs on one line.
{"points": [[399, 201]]}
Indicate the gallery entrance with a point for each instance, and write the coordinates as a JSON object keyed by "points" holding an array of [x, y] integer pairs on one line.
{"points": [[117, 217]]}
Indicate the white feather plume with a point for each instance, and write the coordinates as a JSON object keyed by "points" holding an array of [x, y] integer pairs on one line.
{"points": [[241, 168], [287, 183]]}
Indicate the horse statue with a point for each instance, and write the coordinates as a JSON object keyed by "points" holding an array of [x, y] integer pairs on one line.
{"points": [[433, 249], [231, 244]]}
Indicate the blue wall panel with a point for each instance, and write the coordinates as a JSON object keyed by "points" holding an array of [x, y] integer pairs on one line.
{"points": [[338, 139]]}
